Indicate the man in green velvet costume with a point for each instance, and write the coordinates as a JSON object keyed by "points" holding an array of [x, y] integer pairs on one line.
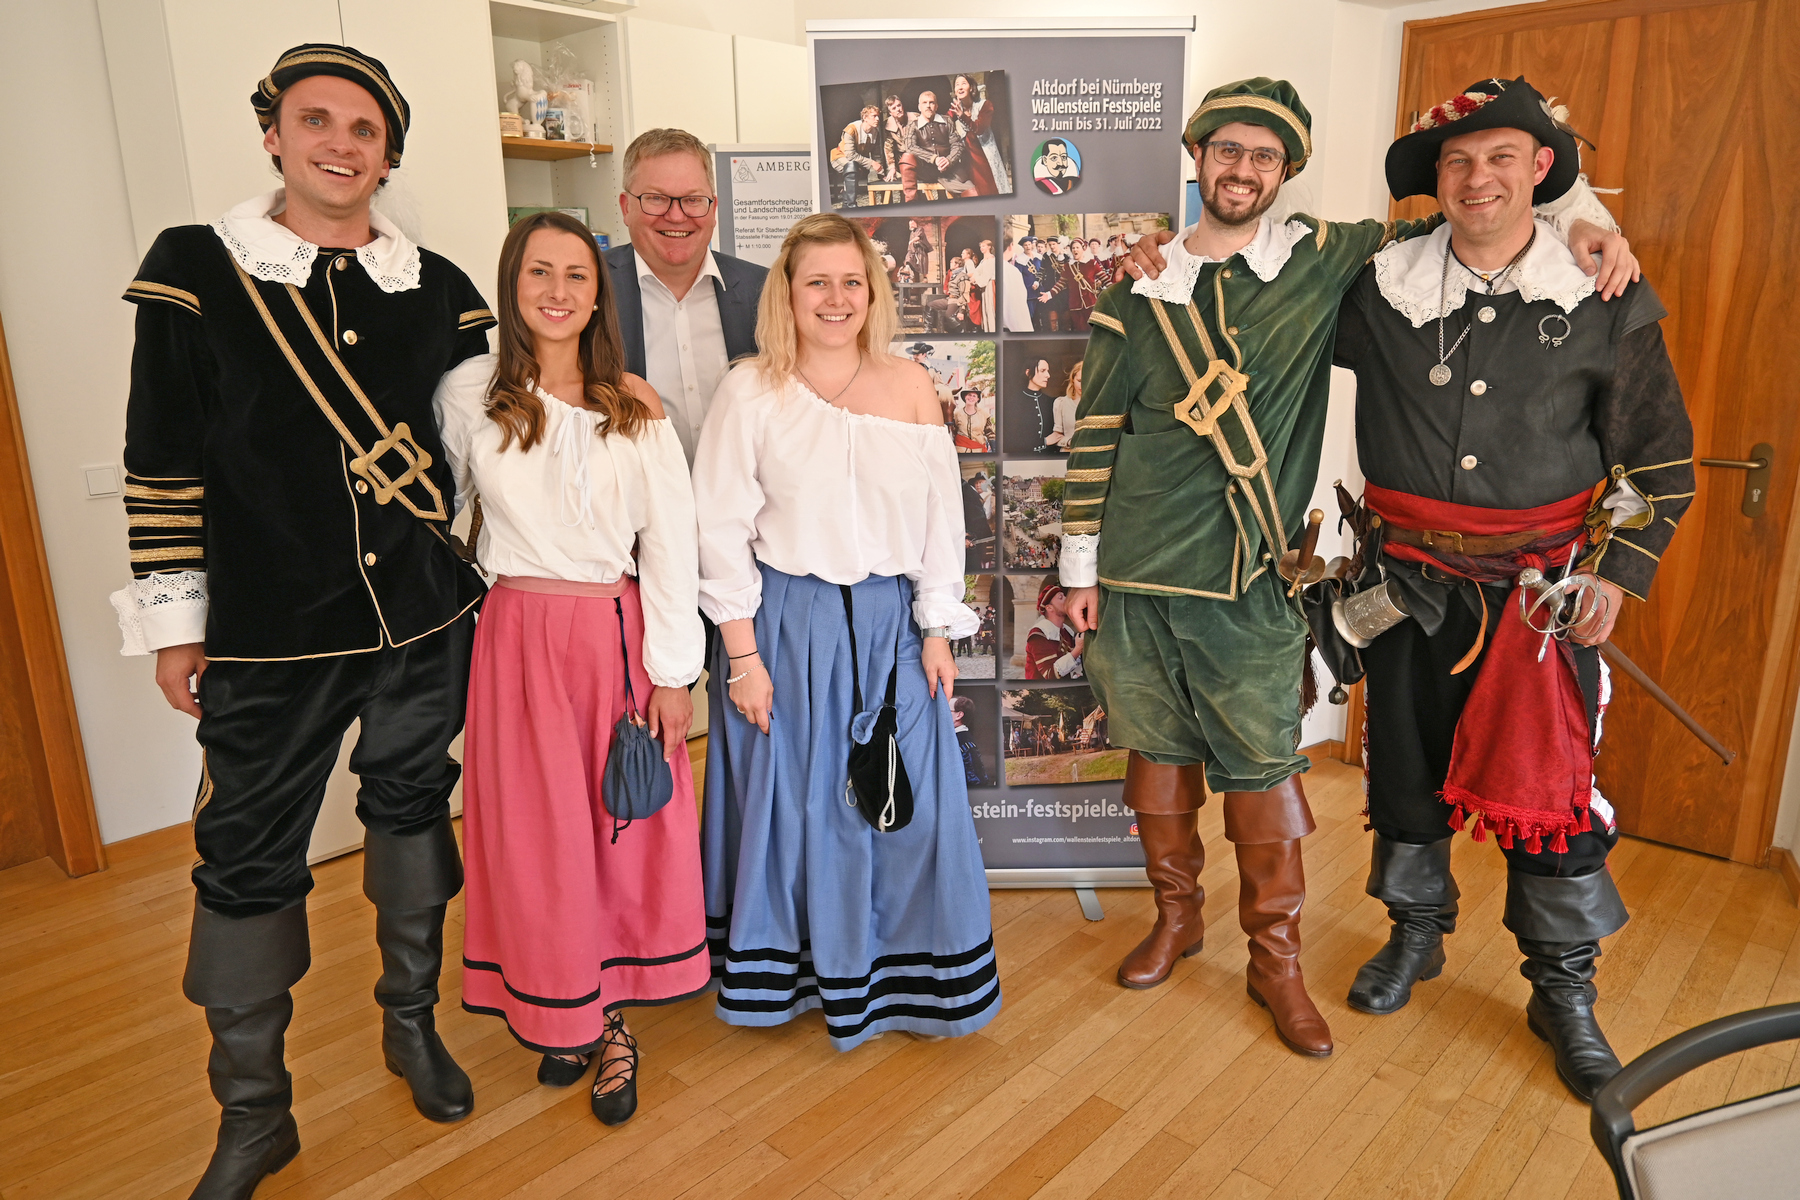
{"points": [[1196, 446]]}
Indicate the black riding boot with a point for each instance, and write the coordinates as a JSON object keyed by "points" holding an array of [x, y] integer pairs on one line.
{"points": [[241, 970], [1559, 924], [1420, 893], [411, 880]]}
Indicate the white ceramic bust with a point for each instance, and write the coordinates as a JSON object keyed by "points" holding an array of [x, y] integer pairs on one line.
{"points": [[525, 96]]}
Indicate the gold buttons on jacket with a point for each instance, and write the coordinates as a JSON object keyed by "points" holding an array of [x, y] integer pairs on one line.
{"points": [[349, 337], [362, 489], [369, 559], [1478, 388], [1232, 331], [342, 262], [1226, 272], [1469, 463]]}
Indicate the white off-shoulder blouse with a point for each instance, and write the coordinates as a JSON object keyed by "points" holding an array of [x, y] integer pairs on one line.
{"points": [[786, 479], [573, 506]]}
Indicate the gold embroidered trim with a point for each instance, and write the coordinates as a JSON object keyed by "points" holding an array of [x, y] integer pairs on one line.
{"points": [[1100, 449], [1262, 104], [166, 553], [1107, 322], [166, 519], [204, 796], [1680, 462], [1088, 475], [1623, 542], [1174, 591], [146, 290], [397, 439], [473, 316], [1324, 228], [1117, 422], [137, 491], [1077, 528]]}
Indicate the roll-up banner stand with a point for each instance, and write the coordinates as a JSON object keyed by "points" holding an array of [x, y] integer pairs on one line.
{"points": [[1001, 171], [762, 190]]}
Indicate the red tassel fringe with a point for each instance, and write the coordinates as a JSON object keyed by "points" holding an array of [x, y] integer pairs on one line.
{"points": [[1509, 829]]}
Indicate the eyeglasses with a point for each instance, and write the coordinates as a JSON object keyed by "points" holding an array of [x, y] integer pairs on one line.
{"points": [[655, 204], [1227, 154]]}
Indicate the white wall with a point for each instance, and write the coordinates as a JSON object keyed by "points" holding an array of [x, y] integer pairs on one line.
{"points": [[67, 251]]}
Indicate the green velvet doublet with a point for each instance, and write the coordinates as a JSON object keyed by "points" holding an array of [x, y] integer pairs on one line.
{"points": [[1195, 469]]}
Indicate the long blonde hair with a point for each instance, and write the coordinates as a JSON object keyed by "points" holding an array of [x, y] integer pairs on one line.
{"points": [[776, 338]]}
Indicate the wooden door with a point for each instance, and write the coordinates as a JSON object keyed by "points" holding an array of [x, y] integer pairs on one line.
{"points": [[46, 806], [1695, 107]]}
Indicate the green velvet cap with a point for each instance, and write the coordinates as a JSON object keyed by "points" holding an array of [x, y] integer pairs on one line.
{"points": [[1272, 103]]}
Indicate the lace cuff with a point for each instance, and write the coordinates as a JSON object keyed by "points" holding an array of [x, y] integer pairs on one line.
{"points": [[1078, 565], [165, 609], [1579, 203], [958, 617]]}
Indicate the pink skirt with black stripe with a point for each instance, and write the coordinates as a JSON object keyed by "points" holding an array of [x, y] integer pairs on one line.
{"points": [[563, 924]]}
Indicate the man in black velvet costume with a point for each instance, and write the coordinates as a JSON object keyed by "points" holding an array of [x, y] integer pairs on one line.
{"points": [[1506, 418], [290, 507]]}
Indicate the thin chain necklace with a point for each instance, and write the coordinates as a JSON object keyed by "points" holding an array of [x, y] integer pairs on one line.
{"points": [[821, 395], [1440, 374]]}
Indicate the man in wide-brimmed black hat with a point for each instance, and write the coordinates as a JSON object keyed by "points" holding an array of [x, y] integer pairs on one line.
{"points": [[290, 503], [1506, 418], [1204, 395]]}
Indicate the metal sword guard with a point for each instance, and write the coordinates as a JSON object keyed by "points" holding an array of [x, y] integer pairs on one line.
{"points": [[1538, 594]]}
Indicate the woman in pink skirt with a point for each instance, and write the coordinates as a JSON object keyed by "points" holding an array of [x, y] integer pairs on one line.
{"points": [[588, 523]]}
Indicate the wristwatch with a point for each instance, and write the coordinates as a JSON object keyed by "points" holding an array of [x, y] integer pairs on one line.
{"points": [[942, 631]]}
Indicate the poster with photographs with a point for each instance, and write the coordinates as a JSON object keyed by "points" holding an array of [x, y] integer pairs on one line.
{"points": [[1040, 386], [930, 137], [1041, 642], [977, 733], [1058, 150], [935, 266], [1031, 502], [963, 373], [975, 654], [1057, 735], [980, 502], [1055, 265]]}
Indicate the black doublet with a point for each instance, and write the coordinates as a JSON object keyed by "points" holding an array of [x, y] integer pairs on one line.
{"points": [[233, 469], [1549, 421]]}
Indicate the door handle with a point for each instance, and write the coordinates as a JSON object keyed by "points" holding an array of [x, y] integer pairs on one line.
{"points": [[1756, 471]]}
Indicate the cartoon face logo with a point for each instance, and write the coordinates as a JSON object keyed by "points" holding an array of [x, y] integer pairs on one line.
{"points": [[1056, 166]]}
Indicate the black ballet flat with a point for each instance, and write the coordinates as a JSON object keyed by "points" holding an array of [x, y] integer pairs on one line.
{"points": [[616, 1105], [560, 1073]]}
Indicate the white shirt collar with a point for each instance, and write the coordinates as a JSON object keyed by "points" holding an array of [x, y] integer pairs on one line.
{"points": [[1410, 274], [273, 253], [1266, 254], [709, 267]]}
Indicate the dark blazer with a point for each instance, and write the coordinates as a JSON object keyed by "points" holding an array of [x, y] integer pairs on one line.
{"points": [[738, 297]]}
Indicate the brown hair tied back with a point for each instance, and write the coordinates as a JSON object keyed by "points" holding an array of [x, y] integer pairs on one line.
{"points": [[512, 403]]}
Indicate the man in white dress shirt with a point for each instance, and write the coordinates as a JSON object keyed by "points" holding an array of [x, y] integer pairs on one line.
{"points": [[684, 312]]}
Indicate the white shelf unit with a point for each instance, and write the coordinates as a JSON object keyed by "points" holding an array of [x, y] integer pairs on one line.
{"points": [[526, 29]]}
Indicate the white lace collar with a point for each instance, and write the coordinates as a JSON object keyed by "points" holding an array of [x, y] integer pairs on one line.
{"points": [[1410, 273], [273, 253], [1266, 254]]}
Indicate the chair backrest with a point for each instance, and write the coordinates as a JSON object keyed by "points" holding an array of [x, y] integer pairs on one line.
{"points": [[1751, 1148], [1703, 1155]]}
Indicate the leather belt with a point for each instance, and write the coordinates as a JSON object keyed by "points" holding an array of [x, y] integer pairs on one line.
{"points": [[1467, 544]]}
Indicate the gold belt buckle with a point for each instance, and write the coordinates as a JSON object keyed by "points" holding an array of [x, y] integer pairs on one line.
{"points": [[400, 439], [1430, 538], [1231, 385]]}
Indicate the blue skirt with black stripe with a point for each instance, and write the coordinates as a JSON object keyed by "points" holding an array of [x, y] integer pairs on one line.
{"points": [[807, 906]]}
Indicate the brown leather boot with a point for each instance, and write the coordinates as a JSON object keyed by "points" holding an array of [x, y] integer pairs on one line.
{"points": [[1265, 829], [1167, 801]]}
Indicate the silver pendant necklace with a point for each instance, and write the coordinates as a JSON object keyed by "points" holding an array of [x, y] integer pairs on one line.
{"points": [[1440, 374], [821, 395]]}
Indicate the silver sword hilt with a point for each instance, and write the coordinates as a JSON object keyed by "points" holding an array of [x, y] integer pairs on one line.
{"points": [[1548, 596]]}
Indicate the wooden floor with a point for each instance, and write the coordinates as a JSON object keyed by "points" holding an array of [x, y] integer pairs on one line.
{"points": [[1079, 1087]]}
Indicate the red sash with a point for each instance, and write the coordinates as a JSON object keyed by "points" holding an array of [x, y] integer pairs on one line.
{"points": [[1522, 761]]}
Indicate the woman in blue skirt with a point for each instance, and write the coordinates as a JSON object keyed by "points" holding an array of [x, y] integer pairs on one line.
{"points": [[831, 556]]}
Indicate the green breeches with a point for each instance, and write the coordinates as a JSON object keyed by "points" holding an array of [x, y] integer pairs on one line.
{"points": [[1189, 680]]}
